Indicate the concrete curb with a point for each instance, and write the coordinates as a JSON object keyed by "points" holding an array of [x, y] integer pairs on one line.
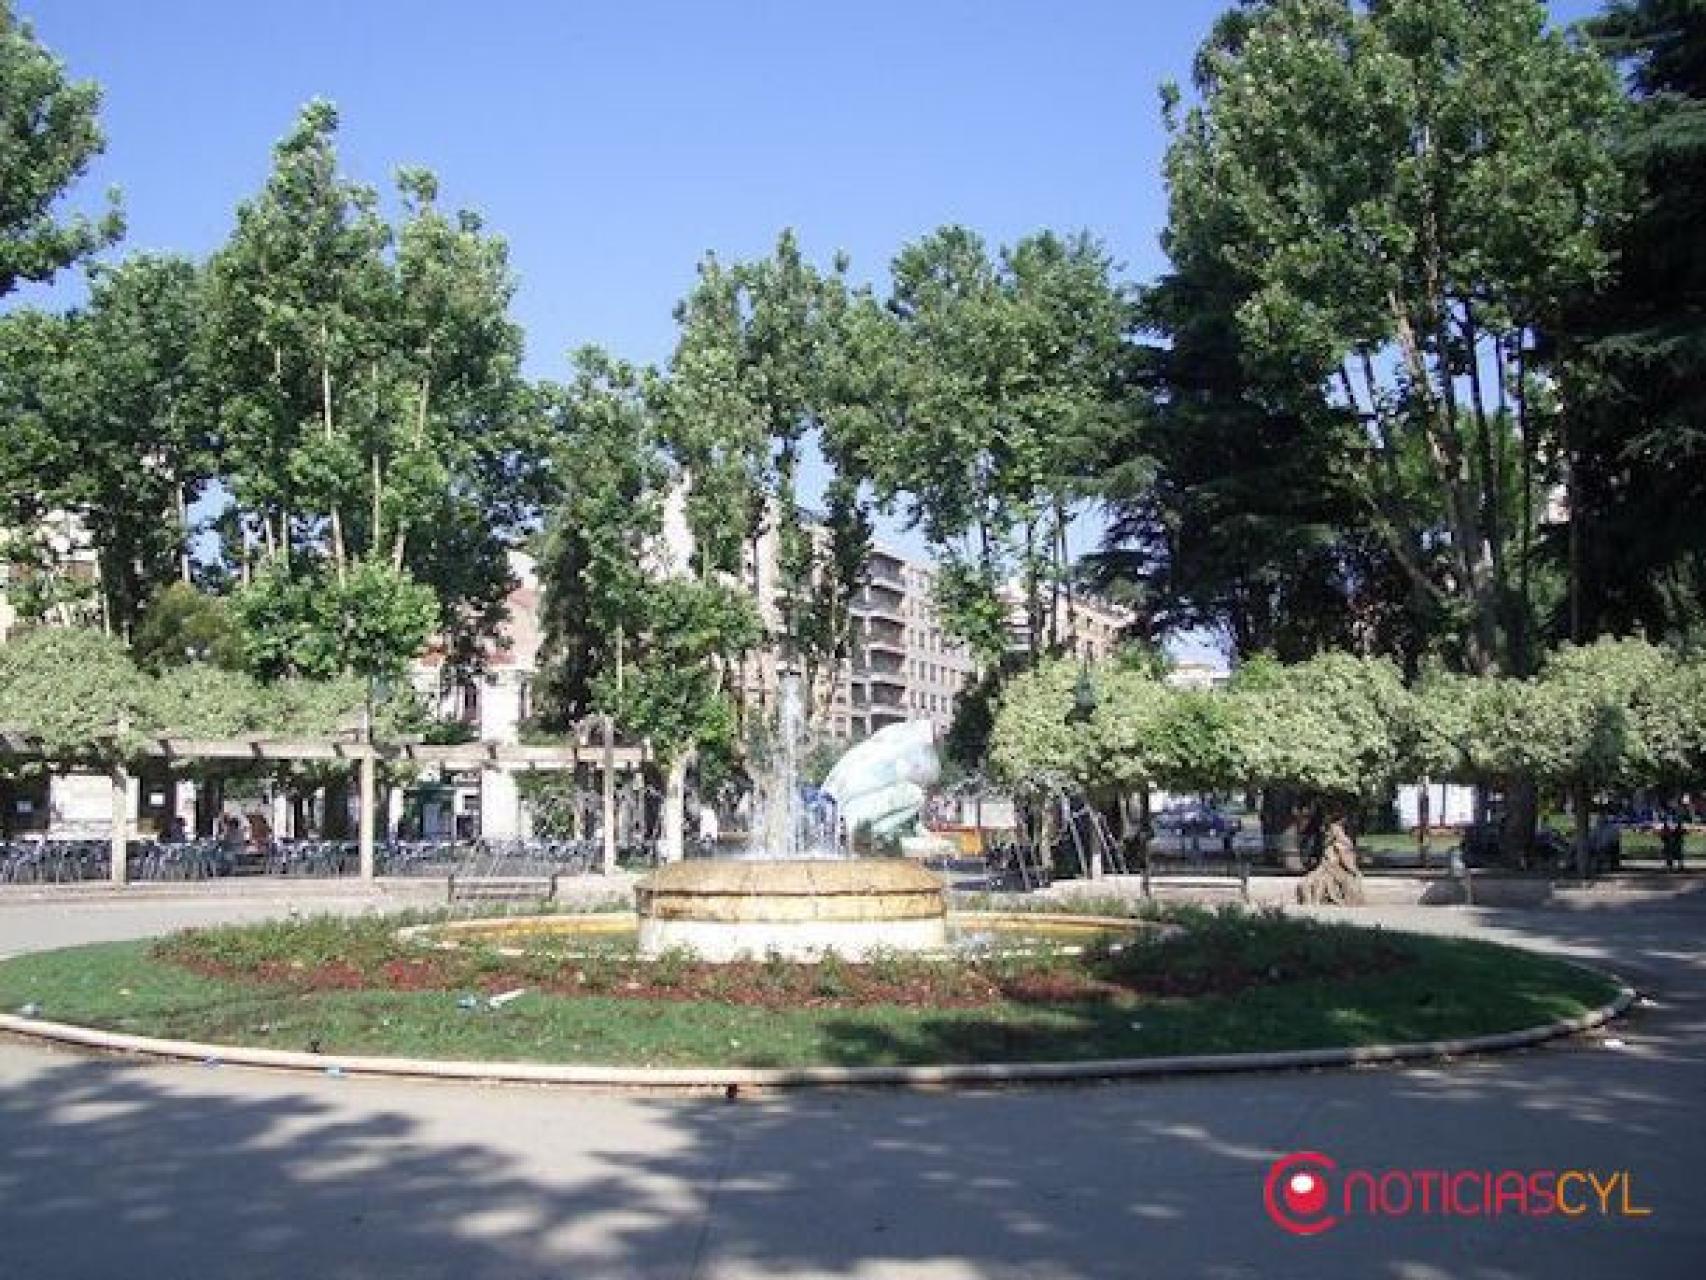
{"points": [[717, 1078]]}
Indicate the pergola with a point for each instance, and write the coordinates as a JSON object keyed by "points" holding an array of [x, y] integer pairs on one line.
{"points": [[365, 756]]}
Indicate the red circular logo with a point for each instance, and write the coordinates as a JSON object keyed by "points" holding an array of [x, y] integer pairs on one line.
{"points": [[1296, 1192]]}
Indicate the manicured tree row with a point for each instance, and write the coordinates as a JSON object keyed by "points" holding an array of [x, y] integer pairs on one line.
{"points": [[78, 697], [1340, 729]]}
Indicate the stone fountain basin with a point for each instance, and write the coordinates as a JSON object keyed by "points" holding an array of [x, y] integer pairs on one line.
{"points": [[799, 908], [968, 934]]}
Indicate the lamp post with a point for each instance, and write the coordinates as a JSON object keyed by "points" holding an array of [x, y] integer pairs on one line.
{"points": [[368, 769], [1083, 696], [1083, 710]]}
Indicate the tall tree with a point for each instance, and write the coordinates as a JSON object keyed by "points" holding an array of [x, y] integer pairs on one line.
{"points": [[107, 429], [36, 384], [1635, 352], [629, 632], [49, 132], [769, 365], [370, 390], [1007, 378], [1412, 188], [604, 541], [140, 426], [1230, 510]]}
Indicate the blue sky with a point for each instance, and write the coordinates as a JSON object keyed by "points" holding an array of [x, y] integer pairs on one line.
{"points": [[614, 144]]}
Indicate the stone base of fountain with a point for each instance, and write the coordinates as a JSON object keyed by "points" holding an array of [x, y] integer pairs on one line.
{"points": [[799, 908]]}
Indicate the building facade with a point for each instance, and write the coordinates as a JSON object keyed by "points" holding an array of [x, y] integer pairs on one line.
{"points": [[1082, 623]]}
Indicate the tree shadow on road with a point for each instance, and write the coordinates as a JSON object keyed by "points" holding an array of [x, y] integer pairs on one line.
{"points": [[115, 1168]]}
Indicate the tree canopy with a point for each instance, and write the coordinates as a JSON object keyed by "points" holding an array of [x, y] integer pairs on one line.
{"points": [[1615, 715], [49, 132]]}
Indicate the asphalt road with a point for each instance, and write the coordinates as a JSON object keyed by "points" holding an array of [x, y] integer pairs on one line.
{"points": [[137, 1170]]}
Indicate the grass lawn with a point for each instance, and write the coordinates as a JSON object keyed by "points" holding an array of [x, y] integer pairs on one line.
{"points": [[1440, 842], [1226, 982]]}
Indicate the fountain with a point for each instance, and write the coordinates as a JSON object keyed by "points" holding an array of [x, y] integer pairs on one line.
{"points": [[800, 893]]}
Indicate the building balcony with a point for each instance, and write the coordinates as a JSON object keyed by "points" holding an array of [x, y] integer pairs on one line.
{"points": [[885, 569], [888, 679], [881, 663], [881, 603], [891, 635]]}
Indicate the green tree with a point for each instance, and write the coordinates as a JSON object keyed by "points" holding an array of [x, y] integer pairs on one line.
{"points": [[602, 545], [1413, 189], [1007, 375], [1635, 352], [76, 692], [182, 626], [49, 132], [137, 427], [107, 430], [1230, 511], [628, 633], [368, 378], [36, 385], [773, 360]]}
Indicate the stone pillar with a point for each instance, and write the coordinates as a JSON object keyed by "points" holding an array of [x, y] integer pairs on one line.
{"points": [[365, 824], [609, 796], [500, 804], [673, 845], [119, 835]]}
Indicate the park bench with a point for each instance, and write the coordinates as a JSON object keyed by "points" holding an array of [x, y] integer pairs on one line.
{"points": [[500, 888], [1168, 883], [1208, 872]]}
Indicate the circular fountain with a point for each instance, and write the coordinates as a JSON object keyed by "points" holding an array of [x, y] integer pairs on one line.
{"points": [[796, 892], [800, 908]]}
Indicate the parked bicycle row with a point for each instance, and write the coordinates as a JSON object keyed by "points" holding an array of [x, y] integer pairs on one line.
{"points": [[44, 861]]}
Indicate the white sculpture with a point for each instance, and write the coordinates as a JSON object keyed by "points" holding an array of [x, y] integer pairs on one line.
{"points": [[880, 784]]}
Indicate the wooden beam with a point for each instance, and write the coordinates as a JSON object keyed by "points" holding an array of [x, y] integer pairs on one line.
{"points": [[487, 755], [470, 755], [258, 749]]}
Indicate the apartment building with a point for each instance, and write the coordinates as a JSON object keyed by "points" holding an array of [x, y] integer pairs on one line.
{"points": [[66, 572], [903, 666], [1091, 627], [900, 664]]}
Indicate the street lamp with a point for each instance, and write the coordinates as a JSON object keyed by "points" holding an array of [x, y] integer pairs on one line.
{"points": [[1083, 696]]}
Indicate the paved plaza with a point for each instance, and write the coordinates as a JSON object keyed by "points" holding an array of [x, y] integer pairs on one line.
{"points": [[141, 1170]]}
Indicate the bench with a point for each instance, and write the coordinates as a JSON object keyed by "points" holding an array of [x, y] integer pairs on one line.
{"points": [[500, 888], [1205, 884]]}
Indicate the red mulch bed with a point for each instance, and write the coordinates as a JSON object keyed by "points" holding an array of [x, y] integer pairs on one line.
{"points": [[965, 984]]}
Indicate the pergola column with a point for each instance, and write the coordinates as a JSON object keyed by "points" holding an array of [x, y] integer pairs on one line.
{"points": [[119, 835], [365, 820], [609, 796]]}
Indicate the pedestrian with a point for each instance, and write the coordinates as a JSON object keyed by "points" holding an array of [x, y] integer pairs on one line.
{"points": [[231, 843], [1671, 836]]}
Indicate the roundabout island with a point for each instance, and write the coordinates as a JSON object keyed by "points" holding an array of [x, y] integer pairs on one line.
{"points": [[580, 999]]}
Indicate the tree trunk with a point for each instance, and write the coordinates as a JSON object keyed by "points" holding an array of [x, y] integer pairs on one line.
{"points": [[672, 847], [184, 534], [1278, 814], [340, 558], [1582, 803], [209, 805], [1336, 880], [334, 822], [1516, 829], [1424, 805]]}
